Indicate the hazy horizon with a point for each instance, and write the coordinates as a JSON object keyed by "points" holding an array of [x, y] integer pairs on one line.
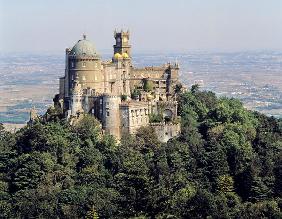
{"points": [[160, 26]]}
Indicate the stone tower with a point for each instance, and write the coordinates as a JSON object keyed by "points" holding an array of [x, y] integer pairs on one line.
{"points": [[84, 64], [76, 98], [111, 114], [122, 46]]}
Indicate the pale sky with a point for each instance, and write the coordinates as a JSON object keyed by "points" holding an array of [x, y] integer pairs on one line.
{"points": [[155, 25]]}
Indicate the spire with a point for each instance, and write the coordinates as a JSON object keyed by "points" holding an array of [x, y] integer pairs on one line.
{"points": [[32, 115], [84, 36]]}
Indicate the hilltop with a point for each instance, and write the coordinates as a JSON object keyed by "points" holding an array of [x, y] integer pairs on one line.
{"points": [[226, 163]]}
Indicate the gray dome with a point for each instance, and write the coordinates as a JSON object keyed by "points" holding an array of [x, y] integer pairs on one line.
{"points": [[84, 48]]}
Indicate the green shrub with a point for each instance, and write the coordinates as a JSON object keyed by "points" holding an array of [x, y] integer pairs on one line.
{"points": [[155, 118]]}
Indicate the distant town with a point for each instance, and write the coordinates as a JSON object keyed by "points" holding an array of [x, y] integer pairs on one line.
{"points": [[31, 80]]}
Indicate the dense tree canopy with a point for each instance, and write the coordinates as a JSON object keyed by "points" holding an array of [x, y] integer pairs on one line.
{"points": [[226, 163]]}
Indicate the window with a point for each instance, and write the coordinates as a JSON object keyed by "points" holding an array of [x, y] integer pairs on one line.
{"points": [[108, 113], [83, 64], [83, 78], [72, 64]]}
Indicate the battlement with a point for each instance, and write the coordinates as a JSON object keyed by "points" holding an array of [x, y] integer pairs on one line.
{"points": [[124, 104], [168, 103], [151, 68], [107, 62], [166, 131], [163, 124], [110, 95], [134, 103], [174, 65], [121, 33]]}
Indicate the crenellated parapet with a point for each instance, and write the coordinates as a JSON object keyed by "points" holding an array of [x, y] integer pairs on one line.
{"points": [[166, 131]]}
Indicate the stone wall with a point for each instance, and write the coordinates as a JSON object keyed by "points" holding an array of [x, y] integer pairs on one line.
{"points": [[134, 115], [166, 131]]}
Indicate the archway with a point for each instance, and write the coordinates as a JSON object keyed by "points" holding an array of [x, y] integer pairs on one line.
{"points": [[167, 115]]}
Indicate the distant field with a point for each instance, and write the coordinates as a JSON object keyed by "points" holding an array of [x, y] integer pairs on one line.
{"points": [[12, 127], [29, 80]]}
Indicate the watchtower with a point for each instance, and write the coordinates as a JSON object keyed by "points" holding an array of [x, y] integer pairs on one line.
{"points": [[122, 46]]}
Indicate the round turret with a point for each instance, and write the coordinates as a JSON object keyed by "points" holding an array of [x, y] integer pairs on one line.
{"points": [[76, 98], [84, 65], [111, 116]]}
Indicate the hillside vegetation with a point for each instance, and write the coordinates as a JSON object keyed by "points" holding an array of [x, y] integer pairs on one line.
{"points": [[225, 164]]}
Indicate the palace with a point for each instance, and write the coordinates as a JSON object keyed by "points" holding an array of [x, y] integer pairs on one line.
{"points": [[122, 97]]}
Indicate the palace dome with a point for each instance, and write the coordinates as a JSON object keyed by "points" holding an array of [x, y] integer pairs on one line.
{"points": [[84, 48], [117, 56], [125, 55]]}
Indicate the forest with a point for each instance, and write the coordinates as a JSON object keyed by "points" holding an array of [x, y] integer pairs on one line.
{"points": [[226, 163]]}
